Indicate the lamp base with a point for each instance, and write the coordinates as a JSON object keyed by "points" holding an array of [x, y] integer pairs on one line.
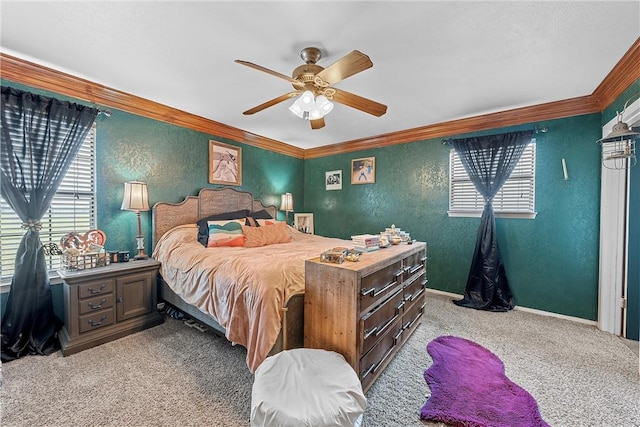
{"points": [[141, 255]]}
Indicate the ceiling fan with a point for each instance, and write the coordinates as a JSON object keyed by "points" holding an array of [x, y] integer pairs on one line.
{"points": [[313, 83]]}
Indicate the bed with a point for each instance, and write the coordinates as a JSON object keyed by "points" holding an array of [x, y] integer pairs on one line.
{"points": [[254, 296]]}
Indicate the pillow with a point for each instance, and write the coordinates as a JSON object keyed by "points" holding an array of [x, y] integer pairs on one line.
{"points": [[225, 233], [263, 222], [203, 227], [262, 236]]}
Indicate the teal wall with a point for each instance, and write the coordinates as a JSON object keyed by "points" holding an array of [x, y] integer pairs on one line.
{"points": [[173, 161], [551, 261]]}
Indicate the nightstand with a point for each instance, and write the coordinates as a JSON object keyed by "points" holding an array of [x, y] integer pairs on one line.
{"points": [[105, 303]]}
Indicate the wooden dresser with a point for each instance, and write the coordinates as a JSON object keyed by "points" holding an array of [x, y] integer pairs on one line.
{"points": [[105, 303], [366, 310]]}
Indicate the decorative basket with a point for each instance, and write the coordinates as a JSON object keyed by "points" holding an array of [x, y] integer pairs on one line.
{"points": [[83, 262], [83, 251]]}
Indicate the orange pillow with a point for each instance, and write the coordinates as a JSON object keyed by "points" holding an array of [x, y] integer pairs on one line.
{"points": [[262, 236]]}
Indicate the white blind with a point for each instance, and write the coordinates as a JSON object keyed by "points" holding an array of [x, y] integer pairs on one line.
{"points": [[516, 196], [72, 209]]}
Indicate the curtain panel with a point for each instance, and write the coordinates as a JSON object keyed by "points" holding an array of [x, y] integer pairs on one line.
{"points": [[40, 137], [489, 161]]}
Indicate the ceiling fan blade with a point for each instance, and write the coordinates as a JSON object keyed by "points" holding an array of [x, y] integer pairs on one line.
{"points": [[270, 103], [317, 123], [359, 103], [268, 71], [344, 67]]}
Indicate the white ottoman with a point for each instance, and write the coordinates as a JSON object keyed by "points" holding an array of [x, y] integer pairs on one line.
{"points": [[306, 387]]}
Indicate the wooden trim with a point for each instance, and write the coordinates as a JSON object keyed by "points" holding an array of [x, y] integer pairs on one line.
{"points": [[38, 76], [622, 76]]}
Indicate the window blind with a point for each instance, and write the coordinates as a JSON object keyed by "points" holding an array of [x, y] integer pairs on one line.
{"points": [[517, 195], [72, 209]]}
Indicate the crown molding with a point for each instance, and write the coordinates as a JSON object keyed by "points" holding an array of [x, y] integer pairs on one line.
{"points": [[38, 76], [623, 75]]}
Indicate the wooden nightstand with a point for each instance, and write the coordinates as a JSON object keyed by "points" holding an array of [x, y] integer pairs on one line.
{"points": [[105, 303]]}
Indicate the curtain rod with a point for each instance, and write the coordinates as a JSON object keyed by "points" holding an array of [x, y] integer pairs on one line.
{"points": [[536, 130], [105, 112]]}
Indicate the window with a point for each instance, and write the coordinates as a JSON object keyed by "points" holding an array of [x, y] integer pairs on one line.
{"points": [[516, 199], [72, 208]]}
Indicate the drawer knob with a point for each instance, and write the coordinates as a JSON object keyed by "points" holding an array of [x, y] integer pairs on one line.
{"points": [[98, 323], [98, 306], [92, 292]]}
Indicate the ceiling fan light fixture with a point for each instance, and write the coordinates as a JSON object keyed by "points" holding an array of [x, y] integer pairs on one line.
{"points": [[306, 101], [323, 105]]}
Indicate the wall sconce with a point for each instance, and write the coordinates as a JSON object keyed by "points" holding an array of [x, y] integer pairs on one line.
{"points": [[286, 205], [619, 147], [136, 199]]}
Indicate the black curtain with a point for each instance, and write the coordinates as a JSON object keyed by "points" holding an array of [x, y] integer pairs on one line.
{"points": [[40, 137], [489, 161]]}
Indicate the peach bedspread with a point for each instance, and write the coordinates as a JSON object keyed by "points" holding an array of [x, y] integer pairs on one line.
{"points": [[244, 289]]}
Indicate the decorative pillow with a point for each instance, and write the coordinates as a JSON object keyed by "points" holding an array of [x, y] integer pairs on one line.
{"points": [[203, 227], [263, 222], [262, 236], [226, 233]]}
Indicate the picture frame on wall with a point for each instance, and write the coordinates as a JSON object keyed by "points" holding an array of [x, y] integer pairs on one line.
{"points": [[333, 180], [363, 170], [225, 163]]}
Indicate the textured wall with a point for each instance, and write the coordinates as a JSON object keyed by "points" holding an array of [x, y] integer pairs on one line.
{"points": [[551, 261]]}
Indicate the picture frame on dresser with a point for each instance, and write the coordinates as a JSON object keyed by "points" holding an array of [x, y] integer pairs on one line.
{"points": [[225, 163]]}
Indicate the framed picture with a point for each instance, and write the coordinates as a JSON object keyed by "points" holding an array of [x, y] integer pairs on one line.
{"points": [[363, 171], [333, 180], [225, 164], [303, 222]]}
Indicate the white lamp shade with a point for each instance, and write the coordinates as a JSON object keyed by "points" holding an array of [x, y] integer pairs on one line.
{"points": [[136, 197], [286, 202], [323, 105]]}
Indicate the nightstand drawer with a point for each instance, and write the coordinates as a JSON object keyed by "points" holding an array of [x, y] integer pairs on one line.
{"points": [[96, 303], [93, 321], [94, 288]]}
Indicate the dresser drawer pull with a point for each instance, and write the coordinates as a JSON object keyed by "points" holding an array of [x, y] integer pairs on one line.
{"points": [[92, 292], [387, 354], [423, 259], [415, 268], [399, 307], [369, 332], [372, 291], [98, 323], [397, 337], [398, 273], [96, 307], [417, 294], [368, 371]]}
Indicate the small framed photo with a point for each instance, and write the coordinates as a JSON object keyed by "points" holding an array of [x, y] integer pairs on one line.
{"points": [[333, 180], [225, 164], [363, 171]]}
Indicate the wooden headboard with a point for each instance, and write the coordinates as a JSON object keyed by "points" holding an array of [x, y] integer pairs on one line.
{"points": [[209, 201]]}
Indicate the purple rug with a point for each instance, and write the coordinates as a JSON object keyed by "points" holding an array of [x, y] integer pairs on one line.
{"points": [[470, 389]]}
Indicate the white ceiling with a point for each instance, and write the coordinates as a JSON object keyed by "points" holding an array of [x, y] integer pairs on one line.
{"points": [[434, 61]]}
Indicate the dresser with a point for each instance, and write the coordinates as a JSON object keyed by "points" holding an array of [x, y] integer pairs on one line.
{"points": [[105, 303], [366, 310]]}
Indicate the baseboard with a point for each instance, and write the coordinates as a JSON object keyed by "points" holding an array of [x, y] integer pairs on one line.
{"points": [[526, 309]]}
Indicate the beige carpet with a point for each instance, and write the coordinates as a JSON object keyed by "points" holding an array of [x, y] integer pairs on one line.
{"points": [[175, 375]]}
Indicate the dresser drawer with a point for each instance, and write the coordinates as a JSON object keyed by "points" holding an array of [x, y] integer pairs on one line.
{"points": [[414, 287], [96, 303], [376, 358], [376, 322], [413, 313], [98, 287], [95, 320], [379, 285]]}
